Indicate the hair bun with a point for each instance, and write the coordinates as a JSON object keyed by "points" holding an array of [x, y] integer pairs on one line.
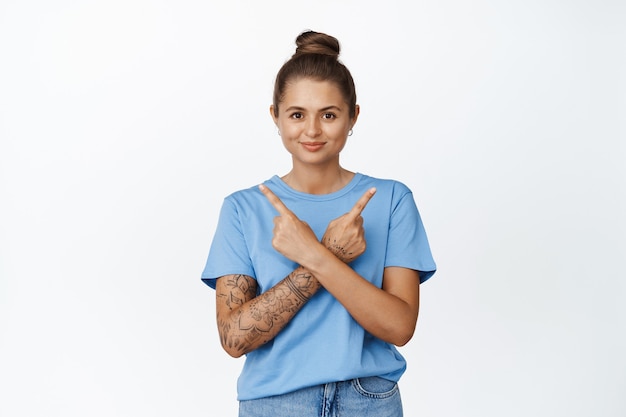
{"points": [[310, 42]]}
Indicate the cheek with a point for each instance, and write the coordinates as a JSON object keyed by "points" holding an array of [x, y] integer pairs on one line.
{"points": [[288, 137], [339, 132], [289, 131]]}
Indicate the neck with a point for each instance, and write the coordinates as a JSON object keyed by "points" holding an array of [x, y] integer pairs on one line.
{"points": [[318, 181]]}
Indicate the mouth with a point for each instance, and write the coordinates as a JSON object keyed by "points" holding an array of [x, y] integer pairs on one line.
{"points": [[312, 146]]}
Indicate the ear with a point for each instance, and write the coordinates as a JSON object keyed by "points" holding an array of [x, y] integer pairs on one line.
{"points": [[273, 115], [357, 110]]}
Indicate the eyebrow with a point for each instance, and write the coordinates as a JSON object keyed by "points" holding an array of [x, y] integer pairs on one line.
{"points": [[298, 108]]}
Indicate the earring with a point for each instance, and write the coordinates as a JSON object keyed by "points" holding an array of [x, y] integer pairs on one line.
{"points": [[350, 132], [278, 131]]}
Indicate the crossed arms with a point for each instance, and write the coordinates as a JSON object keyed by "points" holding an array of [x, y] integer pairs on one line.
{"points": [[247, 321]]}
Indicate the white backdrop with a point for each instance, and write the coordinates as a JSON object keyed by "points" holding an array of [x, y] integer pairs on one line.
{"points": [[124, 123]]}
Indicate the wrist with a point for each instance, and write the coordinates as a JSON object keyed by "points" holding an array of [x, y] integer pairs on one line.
{"points": [[319, 259]]}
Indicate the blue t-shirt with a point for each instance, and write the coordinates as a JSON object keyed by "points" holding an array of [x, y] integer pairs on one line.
{"points": [[322, 343]]}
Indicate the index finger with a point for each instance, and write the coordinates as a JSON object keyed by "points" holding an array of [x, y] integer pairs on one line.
{"points": [[274, 201], [360, 205]]}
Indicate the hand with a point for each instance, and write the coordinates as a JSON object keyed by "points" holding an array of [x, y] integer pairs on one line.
{"points": [[293, 238], [345, 236]]}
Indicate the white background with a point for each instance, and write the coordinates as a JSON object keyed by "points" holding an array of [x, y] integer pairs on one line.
{"points": [[124, 123]]}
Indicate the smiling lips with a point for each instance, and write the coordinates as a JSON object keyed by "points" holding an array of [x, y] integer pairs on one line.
{"points": [[312, 146]]}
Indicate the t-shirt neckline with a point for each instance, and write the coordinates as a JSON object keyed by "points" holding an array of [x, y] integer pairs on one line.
{"points": [[278, 182]]}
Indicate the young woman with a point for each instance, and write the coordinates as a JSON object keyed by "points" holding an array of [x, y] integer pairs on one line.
{"points": [[317, 272]]}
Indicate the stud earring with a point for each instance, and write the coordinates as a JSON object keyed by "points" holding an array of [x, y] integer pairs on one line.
{"points": [[350, 132]]}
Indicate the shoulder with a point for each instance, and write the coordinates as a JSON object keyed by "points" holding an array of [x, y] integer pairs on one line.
{"points": [[246, 196], [393, 188], [394, 195], [242, 203]]}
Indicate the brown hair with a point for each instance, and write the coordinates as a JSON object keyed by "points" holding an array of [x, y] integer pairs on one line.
{"points": [[316, 57]]}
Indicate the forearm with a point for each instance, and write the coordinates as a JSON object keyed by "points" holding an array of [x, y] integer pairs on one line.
{"points": [[255, 322], [383, 314]]}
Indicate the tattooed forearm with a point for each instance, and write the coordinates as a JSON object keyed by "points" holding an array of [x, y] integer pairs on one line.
{"points": [[301, 285], [239, 289], [246, 322]]}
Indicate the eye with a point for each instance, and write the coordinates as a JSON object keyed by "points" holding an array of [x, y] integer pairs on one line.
{"points": [[328, 116], [297, 115]]}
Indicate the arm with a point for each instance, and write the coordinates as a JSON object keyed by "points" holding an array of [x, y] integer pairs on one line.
{"points": [[389, 313], [246, 321]]}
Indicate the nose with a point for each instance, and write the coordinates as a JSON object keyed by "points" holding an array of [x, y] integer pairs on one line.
{"points": [[313, 127]]}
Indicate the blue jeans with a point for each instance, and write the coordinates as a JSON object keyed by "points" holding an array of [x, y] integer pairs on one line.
{"points": [[361, 397]]}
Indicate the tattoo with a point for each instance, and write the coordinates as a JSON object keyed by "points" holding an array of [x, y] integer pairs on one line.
{"points": [[241, 289], [293, 285], [338, 250], [260, 320], [270, 309]]}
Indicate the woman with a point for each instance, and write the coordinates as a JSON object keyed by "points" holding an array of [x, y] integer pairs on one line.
{"points": [[317, 273]]}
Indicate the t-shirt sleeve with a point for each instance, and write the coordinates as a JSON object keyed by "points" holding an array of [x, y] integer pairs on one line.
{"points": [[229, 253], [407, 244]]}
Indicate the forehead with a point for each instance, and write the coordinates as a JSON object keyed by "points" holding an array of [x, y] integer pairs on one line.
{"points": [[307, 92]]}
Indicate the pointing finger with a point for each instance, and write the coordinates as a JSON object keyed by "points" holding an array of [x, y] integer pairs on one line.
{"points": [[274, 201], [360, 205]]}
